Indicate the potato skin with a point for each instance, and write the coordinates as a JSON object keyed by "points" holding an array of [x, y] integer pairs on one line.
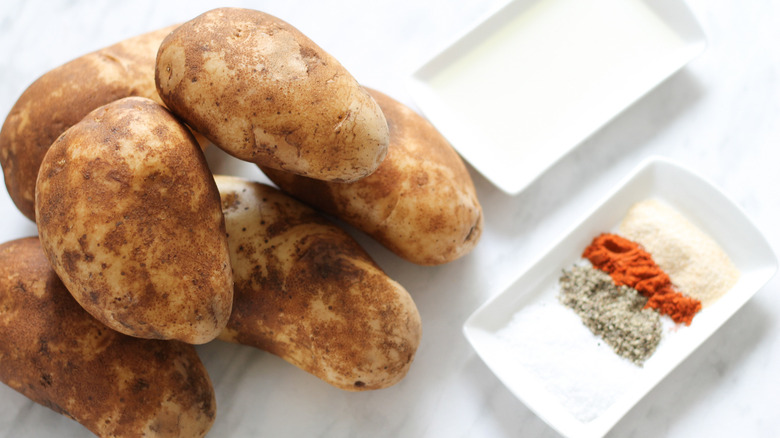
{"points": [[63, 96], [262, 91], [129, 216], [308, 293], [420, 203], [56, 354]]}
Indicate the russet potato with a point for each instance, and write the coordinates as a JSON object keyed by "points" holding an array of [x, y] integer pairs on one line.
{"points": [[130, 218], [63, 96], [56, 354], [420, 203], [306, 291], [265, 93]]}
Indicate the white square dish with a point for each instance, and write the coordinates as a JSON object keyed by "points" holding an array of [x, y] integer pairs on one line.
{"points": [[517, 92], [516, 365]]}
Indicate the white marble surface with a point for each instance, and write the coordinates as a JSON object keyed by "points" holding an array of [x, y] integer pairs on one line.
{"points": [[720, 116]]}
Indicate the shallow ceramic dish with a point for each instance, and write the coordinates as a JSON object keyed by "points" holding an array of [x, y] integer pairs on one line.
{"points": [[708, 209], [534, 79]]}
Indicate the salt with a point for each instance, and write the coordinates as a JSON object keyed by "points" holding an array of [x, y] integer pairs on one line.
{"points": [[578, 369]]}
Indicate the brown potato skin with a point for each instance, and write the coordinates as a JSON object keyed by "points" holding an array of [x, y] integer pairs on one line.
{"points": [[420, 203], [265, 93], [56, 354], [130, 218], [308, 293], [63, 96]]}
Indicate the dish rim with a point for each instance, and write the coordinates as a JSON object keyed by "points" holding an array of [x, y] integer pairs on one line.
{"points": [[428, 102]]}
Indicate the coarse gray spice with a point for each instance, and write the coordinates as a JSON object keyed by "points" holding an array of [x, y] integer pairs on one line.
{"points": [[615, 313]]}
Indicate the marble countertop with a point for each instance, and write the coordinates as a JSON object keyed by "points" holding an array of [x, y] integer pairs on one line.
{"points": [[719, 116]]}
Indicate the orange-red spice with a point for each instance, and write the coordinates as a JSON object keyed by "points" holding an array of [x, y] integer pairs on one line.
{"points": [[628, 264]]}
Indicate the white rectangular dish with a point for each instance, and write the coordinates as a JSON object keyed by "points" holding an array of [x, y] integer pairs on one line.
{"points": [[564, 374], [536, 78]]}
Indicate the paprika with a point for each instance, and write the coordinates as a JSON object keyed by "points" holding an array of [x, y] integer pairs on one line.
{"points": [[628, 264]]}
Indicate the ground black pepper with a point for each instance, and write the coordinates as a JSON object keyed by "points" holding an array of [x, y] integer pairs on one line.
{"points": [[615, 313]]}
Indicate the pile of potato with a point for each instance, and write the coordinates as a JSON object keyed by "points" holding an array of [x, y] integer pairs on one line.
{"points": [[142, 252]]}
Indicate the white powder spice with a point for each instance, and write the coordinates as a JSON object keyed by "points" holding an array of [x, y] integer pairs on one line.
{"points": [[695, 263], [575, 366]]}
